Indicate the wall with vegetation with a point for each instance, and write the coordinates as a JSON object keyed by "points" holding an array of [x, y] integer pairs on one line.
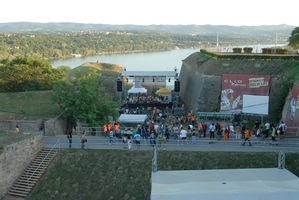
{"points": [[15, 159]]}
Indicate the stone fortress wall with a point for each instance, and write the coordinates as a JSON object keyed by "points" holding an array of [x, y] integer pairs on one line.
{"points": [[15, 159], [201, 78]]}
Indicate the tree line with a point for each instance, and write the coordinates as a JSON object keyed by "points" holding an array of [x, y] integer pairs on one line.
{"points": [[89, 43]]}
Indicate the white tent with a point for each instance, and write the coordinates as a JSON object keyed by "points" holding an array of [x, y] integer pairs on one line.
{"points": [[137, 88]]}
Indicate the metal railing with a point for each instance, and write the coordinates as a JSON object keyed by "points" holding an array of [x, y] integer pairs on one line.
{"points": [[200, 144], [38, 167]]}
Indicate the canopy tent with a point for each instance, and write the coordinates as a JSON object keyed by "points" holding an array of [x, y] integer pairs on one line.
{"points": [[131, 120], [163, 91], [137, 88]]}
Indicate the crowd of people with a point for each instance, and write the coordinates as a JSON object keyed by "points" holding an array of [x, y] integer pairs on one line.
{"points": [[147, 98], [162, 126]]}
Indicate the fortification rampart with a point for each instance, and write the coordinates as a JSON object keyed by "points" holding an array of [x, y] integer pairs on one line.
{"points": [[201, 77]]}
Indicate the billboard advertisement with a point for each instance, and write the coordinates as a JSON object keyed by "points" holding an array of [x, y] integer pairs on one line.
{"points": [[234, 86], [292, 117], [255, 104]]}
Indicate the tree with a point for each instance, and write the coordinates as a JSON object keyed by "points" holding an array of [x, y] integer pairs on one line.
{"points": [[294, 39], [82, 99], [28, 74]]}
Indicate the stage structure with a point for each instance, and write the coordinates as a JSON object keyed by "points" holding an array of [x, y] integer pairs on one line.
{"points": [[148, 82], [156, 79]]}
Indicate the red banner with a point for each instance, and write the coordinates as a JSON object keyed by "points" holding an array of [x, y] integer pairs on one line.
{"points": [[235, 85], [292, 118]]}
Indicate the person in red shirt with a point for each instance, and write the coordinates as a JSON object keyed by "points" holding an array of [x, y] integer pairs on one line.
{"points": [[105, 130], [204, 129], [152, 128]]}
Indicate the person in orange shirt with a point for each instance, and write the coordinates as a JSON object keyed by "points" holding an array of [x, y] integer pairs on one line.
{"points": [[193, 120], [247, 137], [109, 126], [105, 130], [225, 135], [117, 130]]}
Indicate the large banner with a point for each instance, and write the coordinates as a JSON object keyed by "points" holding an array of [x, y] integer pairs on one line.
{"points": [[234, 86], [292, 118]]}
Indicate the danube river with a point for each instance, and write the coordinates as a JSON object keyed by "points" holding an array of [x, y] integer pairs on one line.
{"points": [[146, 61]]}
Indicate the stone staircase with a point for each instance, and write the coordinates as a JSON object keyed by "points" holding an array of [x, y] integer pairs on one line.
{"points": [[26, 182]]}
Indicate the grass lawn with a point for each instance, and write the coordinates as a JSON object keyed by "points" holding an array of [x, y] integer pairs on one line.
{"points": [[31, 103], [119, 174]]}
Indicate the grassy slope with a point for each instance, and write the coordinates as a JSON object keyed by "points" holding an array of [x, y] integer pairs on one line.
{"points": [[32, 103], [117, 174]]}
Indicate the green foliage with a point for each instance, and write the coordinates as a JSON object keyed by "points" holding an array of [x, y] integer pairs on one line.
{"points": [[28, 74], [81, 98], [294, 39]]}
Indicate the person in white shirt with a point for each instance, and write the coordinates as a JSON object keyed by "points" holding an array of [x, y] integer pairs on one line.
{"points": [[137, 138], [212, 128], [183, 135], [282, 129], [267, 125]]}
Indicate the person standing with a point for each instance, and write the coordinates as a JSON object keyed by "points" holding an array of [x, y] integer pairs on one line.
{"points": [[225, 135], [167, 132], [83, 140], [267, 127], [17, 129], [247, 137], [111, 135], [129, 142], [183, 135], [204, 129], [193, 137], [137, 138], [282, 129], [243, 130], [273, 135], [212, 128], [70, 137], [152, 138], [105, 130]]}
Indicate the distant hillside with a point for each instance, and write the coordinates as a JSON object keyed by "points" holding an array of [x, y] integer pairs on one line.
{"points": [[104, 68], [282, 30], [109, 73]]}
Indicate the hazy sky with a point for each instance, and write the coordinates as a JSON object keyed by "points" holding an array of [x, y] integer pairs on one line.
{"points": [[139, 12]]}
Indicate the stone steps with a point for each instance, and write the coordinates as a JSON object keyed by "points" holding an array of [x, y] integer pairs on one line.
{"points": [[26, 182]]}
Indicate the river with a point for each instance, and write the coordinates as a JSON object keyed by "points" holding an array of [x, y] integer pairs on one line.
{"points": [[145, 61]]}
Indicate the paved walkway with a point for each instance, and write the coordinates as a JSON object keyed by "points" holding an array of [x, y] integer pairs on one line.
{"points": [[202, 144]]}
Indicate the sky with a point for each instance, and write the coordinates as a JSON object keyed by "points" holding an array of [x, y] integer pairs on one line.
{"points": [[158, 12]]}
